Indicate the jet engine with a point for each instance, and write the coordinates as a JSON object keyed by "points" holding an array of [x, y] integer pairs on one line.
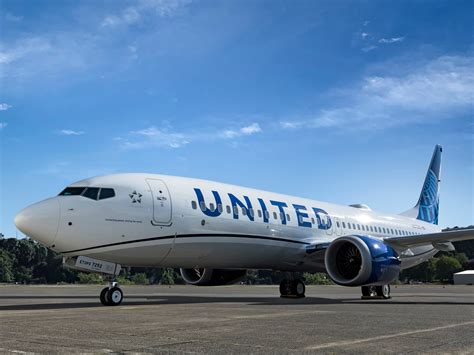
{"points": [[361, 260], [211, 277]]}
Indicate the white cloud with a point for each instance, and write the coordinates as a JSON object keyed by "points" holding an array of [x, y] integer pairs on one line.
{"points": [[391, 40], [155, 137], [3, 125], [430, 91], [364, 35], [23, 48], [368, 48], [9, 17], [70, 132], [244, 131], [143, 8], [4, 106]]}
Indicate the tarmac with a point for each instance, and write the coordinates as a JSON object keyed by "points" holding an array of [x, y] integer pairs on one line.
{"points": [[236, 319]]}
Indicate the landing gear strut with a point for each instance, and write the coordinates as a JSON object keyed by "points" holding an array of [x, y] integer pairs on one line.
{"points": [[376, 292], [292, 288], [111, 295]]}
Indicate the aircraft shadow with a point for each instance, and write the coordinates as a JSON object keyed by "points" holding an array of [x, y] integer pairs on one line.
{"points": [[144, 300]]}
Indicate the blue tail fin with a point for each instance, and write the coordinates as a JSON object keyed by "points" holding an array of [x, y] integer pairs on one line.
{"points": [[427, 208]]}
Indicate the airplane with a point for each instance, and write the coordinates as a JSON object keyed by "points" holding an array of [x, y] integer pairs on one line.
{"points": [[214, 232]]}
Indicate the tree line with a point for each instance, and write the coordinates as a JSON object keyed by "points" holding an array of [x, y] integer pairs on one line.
{"points": [[26, 261]]}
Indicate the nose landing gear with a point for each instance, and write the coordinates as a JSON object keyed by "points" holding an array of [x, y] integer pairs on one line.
{"points": [[111, 295]]}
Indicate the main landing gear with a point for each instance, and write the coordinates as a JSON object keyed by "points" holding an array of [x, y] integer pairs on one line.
{"points": [[376, 292], [292, 288], [111, 295]]}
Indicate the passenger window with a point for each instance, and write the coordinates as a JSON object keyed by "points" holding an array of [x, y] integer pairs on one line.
{"points": [[202, 205], [251, 212], [275, 216], [193, 205], [219, 208], [312, 220], [211, 207], [236, 210], [337, 223], [72, 191], [227, 208], [288, 217], [371, 229], [267, 215], [363, 227], [392, 231], [259, 212], [343, 225], [91, 193], [244, 211], [358, 226], [282, 216], [348, 225], [106, 193]]}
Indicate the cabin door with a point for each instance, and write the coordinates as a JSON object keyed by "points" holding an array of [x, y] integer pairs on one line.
{"points": [[162, 208]]}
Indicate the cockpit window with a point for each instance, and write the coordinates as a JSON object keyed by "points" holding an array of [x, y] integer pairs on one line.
{"points": [[72, 191], [91, 193], [106, 193], [94, 193]]}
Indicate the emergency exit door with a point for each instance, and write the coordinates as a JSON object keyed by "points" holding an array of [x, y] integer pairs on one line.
{"points": [[162, 209]]}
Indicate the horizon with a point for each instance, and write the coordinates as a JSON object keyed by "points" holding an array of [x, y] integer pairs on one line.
{"points": [[341, 102]]}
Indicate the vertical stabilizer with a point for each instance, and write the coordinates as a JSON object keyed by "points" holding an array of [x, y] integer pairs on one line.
{"points": [[427, 208]]}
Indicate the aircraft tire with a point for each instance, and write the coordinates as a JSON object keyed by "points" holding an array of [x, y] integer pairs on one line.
{"points": [[298, 288], [383, 291], [102, 297], [285, 288], [114, 296]]}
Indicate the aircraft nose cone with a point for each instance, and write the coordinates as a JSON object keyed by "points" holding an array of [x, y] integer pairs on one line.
{"points": [[40, 221]]}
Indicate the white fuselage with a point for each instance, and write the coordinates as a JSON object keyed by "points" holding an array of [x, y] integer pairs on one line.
{"points": [[157, 220]]}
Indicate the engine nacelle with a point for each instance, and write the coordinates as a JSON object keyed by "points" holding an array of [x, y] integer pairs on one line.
{"points": [[356, 260], [211, 277]]}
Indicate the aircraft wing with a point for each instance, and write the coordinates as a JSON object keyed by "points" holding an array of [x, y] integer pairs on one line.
{"points": [[423, 239]]}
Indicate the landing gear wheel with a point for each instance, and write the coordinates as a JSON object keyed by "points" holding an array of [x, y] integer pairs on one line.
{"points": [[383, 291], [376, 292], [285, 288], [292, 288], [369, 291], [298, 288], [103, 300], [114, 296]]}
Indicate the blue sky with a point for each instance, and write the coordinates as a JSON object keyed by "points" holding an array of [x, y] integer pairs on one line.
{"points": [[340, 101]]}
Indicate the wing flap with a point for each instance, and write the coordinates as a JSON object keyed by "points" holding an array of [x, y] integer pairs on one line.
{"points": [[423, 239]]}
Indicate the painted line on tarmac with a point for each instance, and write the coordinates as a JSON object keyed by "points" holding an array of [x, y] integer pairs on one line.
{"points": [[281, 314], [14, 351], [388, 336]]}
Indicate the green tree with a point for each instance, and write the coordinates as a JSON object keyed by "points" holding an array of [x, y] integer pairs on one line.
{"points": [[462, 258], [424, 272], [168, 277], [446, 266], [319, 278], [6, 266], [140, 279], [90, 278]]}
